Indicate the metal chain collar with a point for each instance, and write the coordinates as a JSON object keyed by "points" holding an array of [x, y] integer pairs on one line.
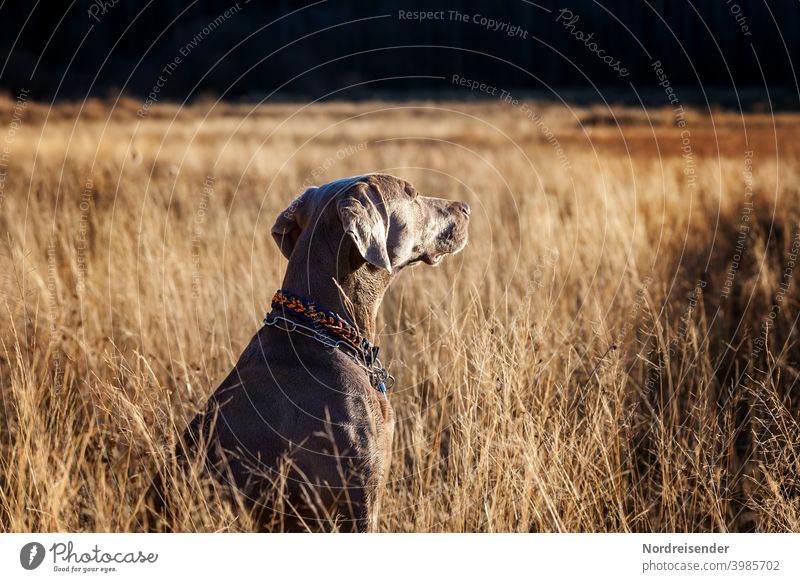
{"points": [[366, 356]]}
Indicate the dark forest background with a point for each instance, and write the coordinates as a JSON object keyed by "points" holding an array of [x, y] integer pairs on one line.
{"points": [[300, 50]]}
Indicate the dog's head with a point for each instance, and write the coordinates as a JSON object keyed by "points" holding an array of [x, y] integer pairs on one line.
{"points": [[388, 222]]}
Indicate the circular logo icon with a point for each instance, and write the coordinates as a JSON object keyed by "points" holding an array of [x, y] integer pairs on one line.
{"points": [[31, 555]]}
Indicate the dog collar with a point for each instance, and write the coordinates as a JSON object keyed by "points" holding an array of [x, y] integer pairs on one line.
{"points": [[330, 329]]}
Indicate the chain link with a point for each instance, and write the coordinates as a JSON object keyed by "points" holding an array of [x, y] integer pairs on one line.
{"points": [[379, 376]]}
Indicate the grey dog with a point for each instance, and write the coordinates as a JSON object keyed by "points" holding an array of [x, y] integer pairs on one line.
{"points": [[299, 409]]}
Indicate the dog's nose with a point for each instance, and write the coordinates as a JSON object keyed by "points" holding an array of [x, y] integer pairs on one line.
{"points": [[463, 207]]}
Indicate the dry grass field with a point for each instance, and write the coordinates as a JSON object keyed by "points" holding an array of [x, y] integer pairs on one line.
{"points": [[615, 350]]}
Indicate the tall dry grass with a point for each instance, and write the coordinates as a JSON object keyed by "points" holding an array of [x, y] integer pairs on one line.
{"points": [[582, 366]]}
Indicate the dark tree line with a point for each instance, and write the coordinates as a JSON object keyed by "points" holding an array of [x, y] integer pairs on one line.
{"points": [[300, 50]]}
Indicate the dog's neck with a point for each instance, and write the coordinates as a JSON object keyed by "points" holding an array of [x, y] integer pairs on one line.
{"points": [[333, 275]]}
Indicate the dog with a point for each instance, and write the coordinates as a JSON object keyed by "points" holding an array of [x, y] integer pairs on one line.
{"points": [[306, 408]]}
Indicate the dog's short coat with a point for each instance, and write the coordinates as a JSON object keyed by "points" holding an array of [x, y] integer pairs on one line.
{"points": [[294, 406]]}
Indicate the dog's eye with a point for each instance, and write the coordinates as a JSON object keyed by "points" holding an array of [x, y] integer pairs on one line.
{"points": [[411, 192]]}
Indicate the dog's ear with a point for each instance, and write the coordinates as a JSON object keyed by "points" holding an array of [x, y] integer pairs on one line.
{"points": [[362, 213], [289, 224]]}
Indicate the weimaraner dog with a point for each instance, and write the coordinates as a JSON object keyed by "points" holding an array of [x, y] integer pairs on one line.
{"points": [[306, 407]]}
